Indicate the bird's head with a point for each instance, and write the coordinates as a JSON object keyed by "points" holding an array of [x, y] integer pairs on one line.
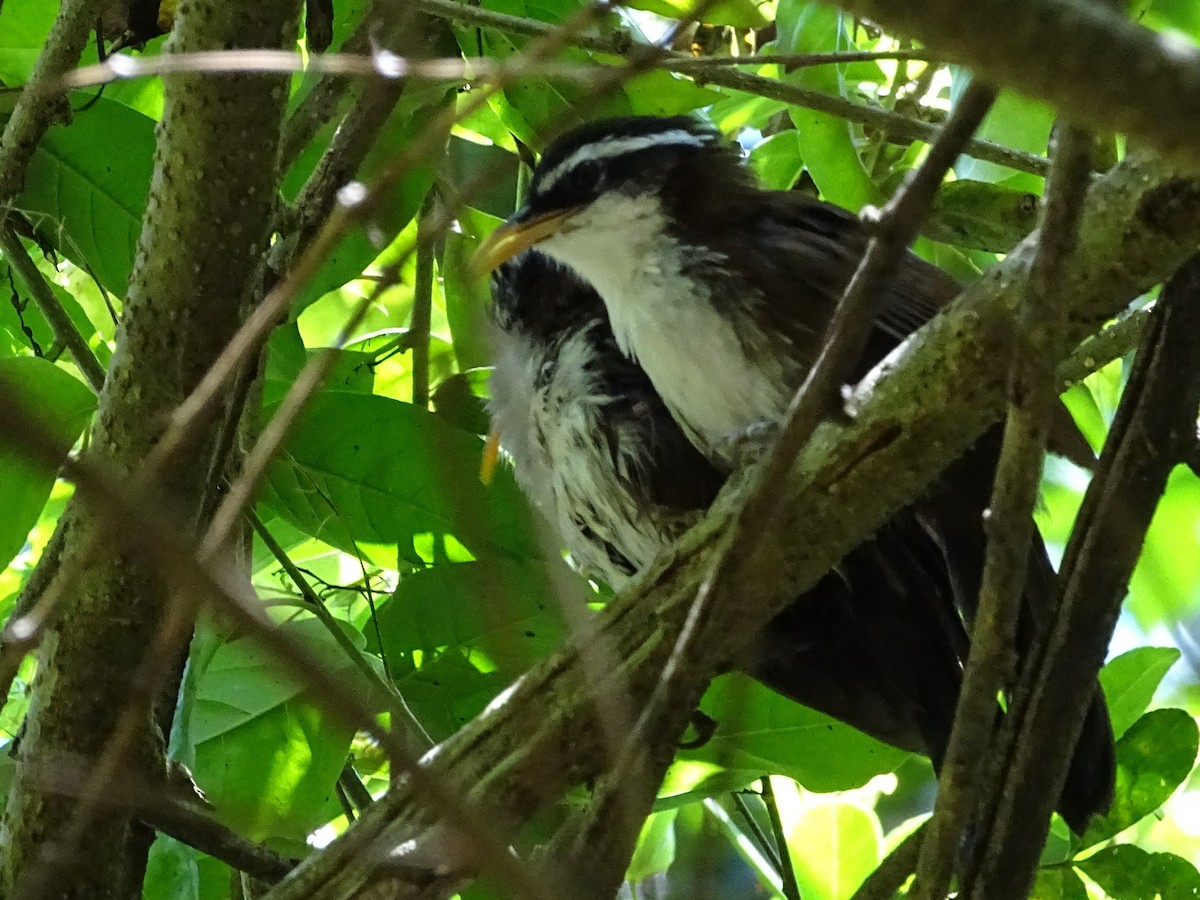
{"points": [[596, 182]]}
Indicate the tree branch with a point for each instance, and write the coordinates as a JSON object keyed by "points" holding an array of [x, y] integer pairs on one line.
{"points": [[60, 323], [36, 109], [1149, 87], [1154, 428], [1032, 400], [199, 254], [942, 391]]}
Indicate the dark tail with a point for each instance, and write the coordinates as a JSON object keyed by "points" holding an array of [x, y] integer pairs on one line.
{"points": [[954, 513]]}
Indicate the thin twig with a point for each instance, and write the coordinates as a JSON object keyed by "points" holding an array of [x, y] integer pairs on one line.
{"points": [[765, 846], [204, 833], [787, 871], [422, 307], [792, 61], [60, 323], [396, 704], [1033, 396]]}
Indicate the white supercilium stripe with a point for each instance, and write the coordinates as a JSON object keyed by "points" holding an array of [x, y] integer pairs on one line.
{"points": [[611, 148]]}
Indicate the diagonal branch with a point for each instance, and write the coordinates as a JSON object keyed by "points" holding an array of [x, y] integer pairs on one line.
{"points": [[942, 391]]}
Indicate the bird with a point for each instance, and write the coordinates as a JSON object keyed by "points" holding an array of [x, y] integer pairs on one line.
{"points": [[721, 292], [877, 644]]}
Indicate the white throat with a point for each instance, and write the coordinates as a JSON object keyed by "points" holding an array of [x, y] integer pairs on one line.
{"points": [[668, 323]]}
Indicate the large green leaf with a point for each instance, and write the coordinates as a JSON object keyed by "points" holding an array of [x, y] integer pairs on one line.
{"points": [[1126, 872], [27, 327], [826, 142], [1130, 680], [24, 25], [64, 405], [739, 13], [87, 187], [834, 846], [1153, 758], [1166, 581], [364, 468], [265, 755], [496, 608], [1013, 121], [758, 730]]}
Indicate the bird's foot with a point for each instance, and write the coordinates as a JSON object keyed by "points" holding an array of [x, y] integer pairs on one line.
{"points": [[748, 446]]}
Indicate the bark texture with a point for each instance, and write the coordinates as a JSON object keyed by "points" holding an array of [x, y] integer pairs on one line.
{"points": [[200, 254]]}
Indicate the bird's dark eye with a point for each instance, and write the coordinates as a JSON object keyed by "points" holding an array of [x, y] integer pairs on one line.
{"points": [[589, 176]]}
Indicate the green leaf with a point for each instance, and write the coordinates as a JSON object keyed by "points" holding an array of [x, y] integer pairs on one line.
{"points": [[372, 469], [758, 730], [500, 613], [87, 187], [1058, 883], [357, 249], [65, 405], [665, 94], [834, 846], [1126, 872], [739, 13], [778, 161], [22, 313], [655, 850], [266, 756], [171, 871], [1153, 758], [826, 142], [1130, 680], [448, 691], [1013, 121], [468, 297], [287, 356], [24, 26], [1166, 581]]}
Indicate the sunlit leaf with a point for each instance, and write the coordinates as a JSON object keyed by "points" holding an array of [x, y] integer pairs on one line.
{"points": [[1126, 872], [503, 610], [655, 849], [1058, 884], [834, 846], [825, 141], [758, 730], [1130, 680], [1153, 758], [740, 13], [778, 161], [265, 755], [64, 405]]}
